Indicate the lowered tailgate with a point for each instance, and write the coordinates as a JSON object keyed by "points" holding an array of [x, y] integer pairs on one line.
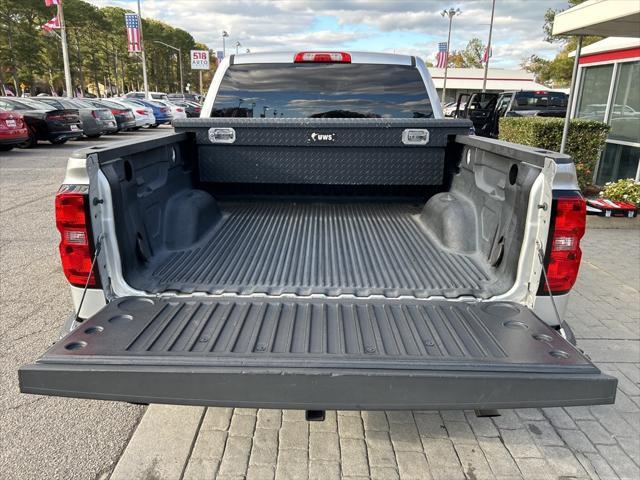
{"points": [[319, 354]]}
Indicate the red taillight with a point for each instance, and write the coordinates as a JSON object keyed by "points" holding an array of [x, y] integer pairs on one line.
{"points": [[117, 111], [56, 116], [141, 111], [95, 114], [569, 218], [76, 250], [179, 110], [322, 57]]}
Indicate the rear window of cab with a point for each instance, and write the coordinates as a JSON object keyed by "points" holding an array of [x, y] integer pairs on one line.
{"points": [[322, 90]]}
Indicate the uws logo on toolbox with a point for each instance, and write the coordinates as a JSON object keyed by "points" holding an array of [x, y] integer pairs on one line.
{"points": [[323, 137]]}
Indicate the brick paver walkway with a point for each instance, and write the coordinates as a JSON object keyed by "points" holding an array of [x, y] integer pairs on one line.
{"points": [[551, 443]]}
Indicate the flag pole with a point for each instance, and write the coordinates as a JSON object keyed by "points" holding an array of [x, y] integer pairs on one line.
{"points": [[65, 52], [446, 65], [488, 54], [144, 58], [448, 13]]}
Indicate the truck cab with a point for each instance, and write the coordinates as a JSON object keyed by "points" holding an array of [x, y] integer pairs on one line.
{"points": [[485, 109]]}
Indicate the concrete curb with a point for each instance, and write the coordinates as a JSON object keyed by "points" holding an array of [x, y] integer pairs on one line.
{"points": [[614, 223], [161, 445]]}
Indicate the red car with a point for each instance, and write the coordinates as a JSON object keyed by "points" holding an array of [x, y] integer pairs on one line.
{"points": [[13, 130]]}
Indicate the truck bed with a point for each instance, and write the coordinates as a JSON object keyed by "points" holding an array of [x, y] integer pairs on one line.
{"points": [[361, 248], [275, 213]]}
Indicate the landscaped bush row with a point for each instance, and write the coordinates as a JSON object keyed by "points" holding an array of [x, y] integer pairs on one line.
{"points": [[584, 144]]}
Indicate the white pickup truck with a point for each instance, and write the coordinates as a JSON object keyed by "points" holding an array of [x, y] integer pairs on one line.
{"points": [[320, 238]]}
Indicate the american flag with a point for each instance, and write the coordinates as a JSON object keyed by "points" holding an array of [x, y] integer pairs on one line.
{"points": [[133, 31], [49, 3], [51, 24], [441, 58], [488, 53]]}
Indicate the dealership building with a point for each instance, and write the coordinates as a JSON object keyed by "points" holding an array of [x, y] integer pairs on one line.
{"points": [[608, 90], [469, 80], [607, 84]]}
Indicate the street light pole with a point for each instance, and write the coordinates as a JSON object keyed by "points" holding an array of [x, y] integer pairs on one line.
{"points": [[65, 52], [225, 34], [179, 61], [448, 13], [144, 57], [488, 53], [238, 45]]}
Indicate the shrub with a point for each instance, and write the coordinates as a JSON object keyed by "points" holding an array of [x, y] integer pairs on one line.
{"points": [[625, 190], [584, 144]]}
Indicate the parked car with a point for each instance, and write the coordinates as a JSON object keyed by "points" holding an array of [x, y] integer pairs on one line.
{"points": [[192, 109], [44, 122], [356, 252], [161, 113], [152, 95], [176, 110], [95, 120], [124, 116], [486, 109], [192, 97], [144, 115], [13, 130]]}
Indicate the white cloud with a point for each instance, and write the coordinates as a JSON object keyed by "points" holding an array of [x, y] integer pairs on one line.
{"points": [[416, 25]]}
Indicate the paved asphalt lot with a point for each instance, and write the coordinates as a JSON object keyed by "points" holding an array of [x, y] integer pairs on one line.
{"points": [[41, 437], [51, 438]]}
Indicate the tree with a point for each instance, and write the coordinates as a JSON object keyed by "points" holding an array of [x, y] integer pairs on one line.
{"points": [[557, 72], [97, 49], [470, 56], [473, 53]]}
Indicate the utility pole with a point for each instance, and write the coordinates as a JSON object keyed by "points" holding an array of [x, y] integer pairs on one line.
{"points": [[65, 52], [144, 58], [179, 61], [115, 71], [488, 53], [448, 13], [80, 72]]}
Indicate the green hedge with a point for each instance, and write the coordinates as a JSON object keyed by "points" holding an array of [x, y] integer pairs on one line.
{"points": [[585, 142]]}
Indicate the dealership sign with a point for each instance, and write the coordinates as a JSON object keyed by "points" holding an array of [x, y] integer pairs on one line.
{"points": [[199, 59]]}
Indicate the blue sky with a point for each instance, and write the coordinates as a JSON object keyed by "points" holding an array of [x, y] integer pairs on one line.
{"points": [[402, 26]]}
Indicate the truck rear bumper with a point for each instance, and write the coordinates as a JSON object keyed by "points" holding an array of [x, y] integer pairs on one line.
{"points": [[318, 354]]}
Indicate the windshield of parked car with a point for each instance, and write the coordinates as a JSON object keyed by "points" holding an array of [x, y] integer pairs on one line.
{"points": [[80, 103], [539, 100], [58, 102], [27, 104], [131, 102], [314, 90], [111, 105]]}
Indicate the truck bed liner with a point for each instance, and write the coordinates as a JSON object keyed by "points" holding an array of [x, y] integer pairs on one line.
{"points": [[326, 248]]}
